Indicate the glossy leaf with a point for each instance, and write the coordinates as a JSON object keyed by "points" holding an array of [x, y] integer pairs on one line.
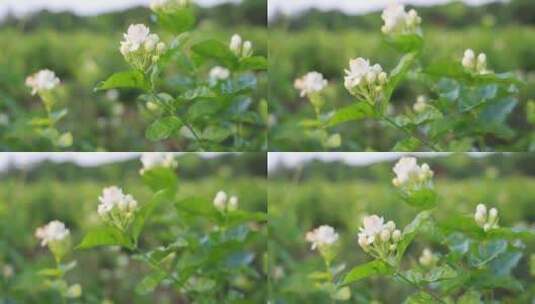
{"points": [[371, 269], [129, 79], [356, 111], [163, 128], [104, 236]]}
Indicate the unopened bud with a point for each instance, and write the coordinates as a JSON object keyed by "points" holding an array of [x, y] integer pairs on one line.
{"points": [[233, 203], [385, 235], [382, 78], [247, 50], [396, 235]]}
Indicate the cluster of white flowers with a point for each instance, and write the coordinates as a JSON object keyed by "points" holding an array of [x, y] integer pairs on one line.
{"points": [[117, 208], [427, 259], [311, 82], [223, 203], [364, 80], [140, 48], [408, 172], [420, 104], [486, 220], [323, 236], [377, 238], [218, 73], [54, 231], [44, 80], [398, 21], [477, 65], [152, 160], [168, 5], [241, 49]]}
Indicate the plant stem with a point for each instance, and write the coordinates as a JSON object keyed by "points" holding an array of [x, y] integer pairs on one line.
{"points": [[156, 266], [402, 277], [408, 132]]}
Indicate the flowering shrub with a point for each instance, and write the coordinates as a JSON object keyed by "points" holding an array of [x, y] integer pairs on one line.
{"points": [[474, 257], [213, 109], [43, 84], [213, 261], [465, 103]]}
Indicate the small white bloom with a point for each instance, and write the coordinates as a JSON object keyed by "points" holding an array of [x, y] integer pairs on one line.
{"points": [[322, 236], [44, 80], [420, 104], [233, 203], [74, 291], [236, 44], [8, 271], [311, 82], [247, 49], [112, 197], [219, 73], [397, 20], [468, 59], [358, 68], [152, 160], [53, 231], [385, 235], [372, 226], [151, 42], [407, 169], [220, 200], [135, 36], [396, 235], [4, 119], [427, 258], [161, 47]]}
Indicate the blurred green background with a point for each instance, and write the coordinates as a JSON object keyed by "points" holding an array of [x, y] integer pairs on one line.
{"points": [[334, 193], [325, 41], [32, 197], [84, 51]]}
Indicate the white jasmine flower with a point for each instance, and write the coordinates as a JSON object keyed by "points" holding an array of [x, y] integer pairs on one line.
{"points": [[236, 44], [486, 220], [219, 73], [233, 203], [397, 20], [112, 198], [408, 171], [420, 104], [8, 271], [220, 200], [53, 231], [364, 80], [372, 226], [322, 236], [247, 49], [311, 82], [152, 160], [427, 259], [74, 291], [44, 80], [136, 36], [475, 64]]}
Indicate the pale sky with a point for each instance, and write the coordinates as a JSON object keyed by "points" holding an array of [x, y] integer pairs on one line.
{"points": [[293, 159], [90, 159], [350, 6], [82, 7]]}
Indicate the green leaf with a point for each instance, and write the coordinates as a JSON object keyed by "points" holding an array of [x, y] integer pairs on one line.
{"points": [[105, 236], [50, 272], [355, 111], [410, 232], [216, 50], [470, 297], [420, 298], [163, 128], [197, 206], [447, 68], [398, 73], [160, 178], [216, 134], [405, 43], [239, 217], [486, 252], [407, 144], [472, 97], [150, 282], [128, 79], [178, 20], [255, 63], [147, 209], [202, 109], [374, 268], [423, 198], [440, 273]]}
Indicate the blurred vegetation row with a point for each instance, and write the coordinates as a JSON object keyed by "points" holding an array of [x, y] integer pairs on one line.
{"points": [[455, 14], [326, 42], [84, 51], [340, 195], [35, 196]]}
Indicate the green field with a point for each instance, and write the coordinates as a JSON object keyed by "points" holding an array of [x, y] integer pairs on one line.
{"points": [[325, 42], [339, 195], [32, 198]]}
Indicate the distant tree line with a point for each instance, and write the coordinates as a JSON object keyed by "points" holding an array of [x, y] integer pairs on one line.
{"points": [[455, 14], [246, 12]]}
